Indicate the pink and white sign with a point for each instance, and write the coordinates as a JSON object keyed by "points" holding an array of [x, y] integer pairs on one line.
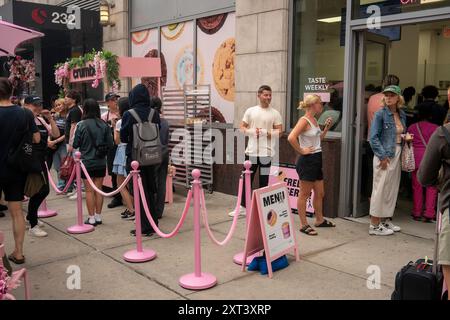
{"points": [[324, 96], [84, 74], [290, 177], [271, 226]]}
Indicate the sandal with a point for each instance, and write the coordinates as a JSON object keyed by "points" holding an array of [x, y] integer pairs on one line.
{"points": [[326, 224], [308, 231], [14, 260]]}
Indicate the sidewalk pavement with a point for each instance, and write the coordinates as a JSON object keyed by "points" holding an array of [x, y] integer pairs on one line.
{"points": [[332, 266]]}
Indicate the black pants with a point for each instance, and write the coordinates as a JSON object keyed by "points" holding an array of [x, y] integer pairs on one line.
{"points": [[110, 164], [161, 172], [34, 204], [264, 164], [148, 176]]}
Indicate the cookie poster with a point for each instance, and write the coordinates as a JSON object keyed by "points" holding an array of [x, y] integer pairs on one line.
{"points": [[277, 222]]}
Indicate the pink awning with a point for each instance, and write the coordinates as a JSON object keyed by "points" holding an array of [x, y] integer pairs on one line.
{"points": [[12, 35]]}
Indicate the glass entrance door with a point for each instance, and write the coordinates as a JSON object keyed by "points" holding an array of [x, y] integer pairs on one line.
{"points": [[372, 67]]}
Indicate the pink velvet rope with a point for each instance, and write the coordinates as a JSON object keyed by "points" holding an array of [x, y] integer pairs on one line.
{"points": [[235, 219], [150, 218], [53, 184], [88, 178]]}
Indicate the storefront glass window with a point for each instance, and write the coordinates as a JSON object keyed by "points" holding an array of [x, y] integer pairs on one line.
{"points": [[369, 8], [318, 57]]}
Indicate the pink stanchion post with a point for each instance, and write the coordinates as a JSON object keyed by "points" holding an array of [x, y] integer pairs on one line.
{"points": [[80, 228], [197, 280], [239, 258], [139, 255], [44, 212]]}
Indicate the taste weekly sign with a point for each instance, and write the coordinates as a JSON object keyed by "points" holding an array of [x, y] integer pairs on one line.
{"points": [[271, 226]]}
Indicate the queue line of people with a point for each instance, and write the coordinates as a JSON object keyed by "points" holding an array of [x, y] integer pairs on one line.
{"points": [[76, 127]]}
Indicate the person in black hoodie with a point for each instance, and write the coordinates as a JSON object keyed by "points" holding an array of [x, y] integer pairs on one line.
{"points": [[430, 93], [140, 102]]}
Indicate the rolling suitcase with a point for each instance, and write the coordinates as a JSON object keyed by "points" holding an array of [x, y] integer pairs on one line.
{"points": [[423, 279]]}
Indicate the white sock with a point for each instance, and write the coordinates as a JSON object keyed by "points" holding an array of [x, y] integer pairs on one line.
{"points": [[98, 217], [92, 219]]}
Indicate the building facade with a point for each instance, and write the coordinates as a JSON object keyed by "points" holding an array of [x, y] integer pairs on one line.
{"points": [[340, 49]]}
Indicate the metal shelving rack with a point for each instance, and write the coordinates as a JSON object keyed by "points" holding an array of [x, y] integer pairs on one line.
{"points": [[190, 110]]}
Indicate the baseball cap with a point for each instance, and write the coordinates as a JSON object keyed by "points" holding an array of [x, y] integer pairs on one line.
{"points": [[111, 96], [33, 100], [393, 89]]}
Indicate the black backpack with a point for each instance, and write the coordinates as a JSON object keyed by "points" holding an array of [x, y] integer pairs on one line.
{"points": [[21, 158]]}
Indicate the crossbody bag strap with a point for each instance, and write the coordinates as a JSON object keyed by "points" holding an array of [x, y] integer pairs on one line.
{"points": [[421, 135]]}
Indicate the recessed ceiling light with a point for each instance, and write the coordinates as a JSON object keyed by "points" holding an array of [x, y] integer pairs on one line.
{"points": [[331, 20]]}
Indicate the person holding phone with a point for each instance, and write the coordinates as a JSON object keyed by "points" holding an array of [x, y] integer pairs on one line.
{"points": [[306, 139], [386, 138]]}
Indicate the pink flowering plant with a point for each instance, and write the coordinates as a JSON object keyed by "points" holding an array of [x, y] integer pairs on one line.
{"points": [[105, 64], [4, 280], [21, 71]]}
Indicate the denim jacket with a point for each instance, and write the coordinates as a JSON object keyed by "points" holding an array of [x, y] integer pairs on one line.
{"points": [[383, 133]]}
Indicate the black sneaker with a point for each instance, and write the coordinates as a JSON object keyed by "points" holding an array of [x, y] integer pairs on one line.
{"points": [[125, 214], [115, 203], [3, 208], [131, 216], [2, 214], [148, 233]]}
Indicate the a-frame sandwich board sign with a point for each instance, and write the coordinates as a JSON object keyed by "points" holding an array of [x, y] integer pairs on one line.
{"points": [[271, 225]]}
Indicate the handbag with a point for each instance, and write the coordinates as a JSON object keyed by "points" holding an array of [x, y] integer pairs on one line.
{"points": [[66, 169], [34, 184], [408, 161]]}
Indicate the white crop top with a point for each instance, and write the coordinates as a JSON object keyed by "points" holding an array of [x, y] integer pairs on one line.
{"points": [[311, 138]]}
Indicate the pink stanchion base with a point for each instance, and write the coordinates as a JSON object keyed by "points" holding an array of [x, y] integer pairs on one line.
{"points": [[134, 256], [86, 228], [191, 282], [239, 258], [46, 214]]}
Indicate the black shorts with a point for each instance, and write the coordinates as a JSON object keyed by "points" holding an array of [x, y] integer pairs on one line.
{"points": [[309, 168], [94, 173], [13, 188]]}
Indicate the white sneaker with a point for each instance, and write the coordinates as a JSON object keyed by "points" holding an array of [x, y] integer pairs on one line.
{"points": [[75, 196], [70, 194], [37, 232], [380, 230], [40, 224], [242, 212], [389, 225]]}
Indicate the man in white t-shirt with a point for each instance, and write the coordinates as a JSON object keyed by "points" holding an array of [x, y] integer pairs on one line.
{"points": [[263, 125]]}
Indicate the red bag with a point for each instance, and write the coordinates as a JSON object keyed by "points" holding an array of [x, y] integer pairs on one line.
{"points": [[65, 172]]}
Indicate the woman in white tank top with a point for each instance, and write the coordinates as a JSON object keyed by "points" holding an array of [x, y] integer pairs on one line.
{"points": [[306, 139]]}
